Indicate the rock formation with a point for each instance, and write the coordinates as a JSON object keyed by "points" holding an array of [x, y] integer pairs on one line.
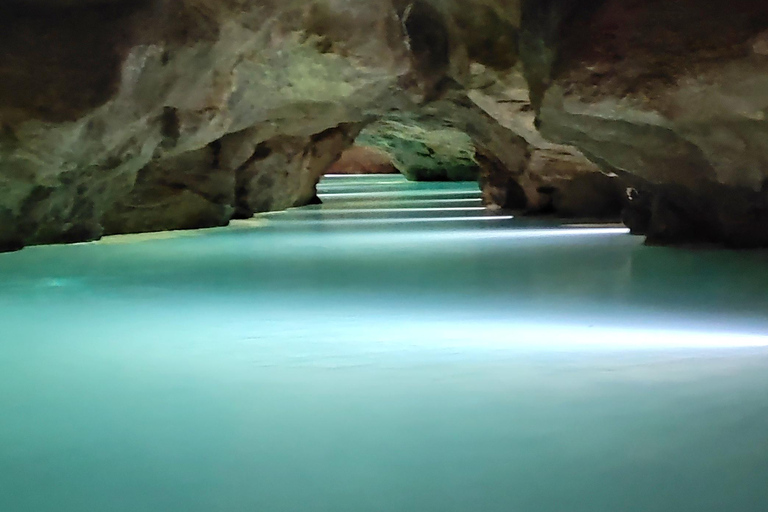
{"points": [[130, 116], [424, 148], [135, 115], [672, 96], [553, 179]]}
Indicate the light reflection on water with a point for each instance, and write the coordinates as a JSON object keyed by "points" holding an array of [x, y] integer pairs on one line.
{"points": [[292, 363]]}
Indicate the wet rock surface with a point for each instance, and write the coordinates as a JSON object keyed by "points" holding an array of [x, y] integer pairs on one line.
{"points": [[118, 125], [553, 179], [424, 148], [121, 116], [284, 171], [673, 97]]}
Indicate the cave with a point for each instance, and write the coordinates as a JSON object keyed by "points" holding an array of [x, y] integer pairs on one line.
{"points": [[390, 255]]}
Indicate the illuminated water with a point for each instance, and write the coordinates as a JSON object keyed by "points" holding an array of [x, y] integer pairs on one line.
{"points": [[407, 359]]}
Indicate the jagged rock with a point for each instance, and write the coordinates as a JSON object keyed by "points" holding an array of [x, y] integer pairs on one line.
{"points": [[190, 190], [204, 109], [284, 171], [236, 176], [447, 36], [532, 174], [555, 182], [673, 97], [108, 110], [363, 160], [423, 148], [554, 178], [120, 115], [493, 143]]}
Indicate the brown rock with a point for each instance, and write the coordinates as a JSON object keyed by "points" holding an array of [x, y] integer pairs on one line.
{"points": [[110, 112], [363, 160], [284, 171], [553, 179], [673, 97], [187, 191]]}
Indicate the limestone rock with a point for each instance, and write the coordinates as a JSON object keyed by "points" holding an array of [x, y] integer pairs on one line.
{"points": [[187, 191], [111, 111], [673, 97], [446, 36], [554, 178], [131, 115], [423, 148], [284, 171]]}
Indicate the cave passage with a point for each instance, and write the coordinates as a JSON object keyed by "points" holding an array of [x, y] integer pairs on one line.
{"points": [[397, 348]]}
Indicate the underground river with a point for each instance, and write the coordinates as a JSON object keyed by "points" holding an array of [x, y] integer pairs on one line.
{"points": [[397, 348]]}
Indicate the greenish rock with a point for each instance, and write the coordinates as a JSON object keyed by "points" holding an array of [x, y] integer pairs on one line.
{"points": [[424, 150]]}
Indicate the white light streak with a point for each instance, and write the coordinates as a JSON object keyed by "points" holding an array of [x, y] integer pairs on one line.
{"points": [[541, 336], [415, 194], [396, 220], [321, 211], [331, 185], [353, 177], [422, 202]]}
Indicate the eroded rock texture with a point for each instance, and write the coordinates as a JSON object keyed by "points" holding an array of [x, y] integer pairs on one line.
{"points": [[671, 95], [136, 115], [423, 148], [552, 179], [120, 116], [518, 168]]}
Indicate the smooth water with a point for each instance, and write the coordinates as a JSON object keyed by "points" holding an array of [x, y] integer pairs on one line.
{"points": [[396, 349]]}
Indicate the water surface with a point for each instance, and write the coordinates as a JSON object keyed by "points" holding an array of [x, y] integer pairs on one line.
{"points": [[396, 349]]}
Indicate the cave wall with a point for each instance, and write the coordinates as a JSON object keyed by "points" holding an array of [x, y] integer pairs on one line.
{"points": [[673, 97], [120, 116]]}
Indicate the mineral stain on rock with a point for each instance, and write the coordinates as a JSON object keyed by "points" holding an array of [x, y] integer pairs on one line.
{"points": [[424, 150], [556, 106]]}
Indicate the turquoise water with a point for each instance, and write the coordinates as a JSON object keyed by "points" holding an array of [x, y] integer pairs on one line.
{"points": [[395, 349]]}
